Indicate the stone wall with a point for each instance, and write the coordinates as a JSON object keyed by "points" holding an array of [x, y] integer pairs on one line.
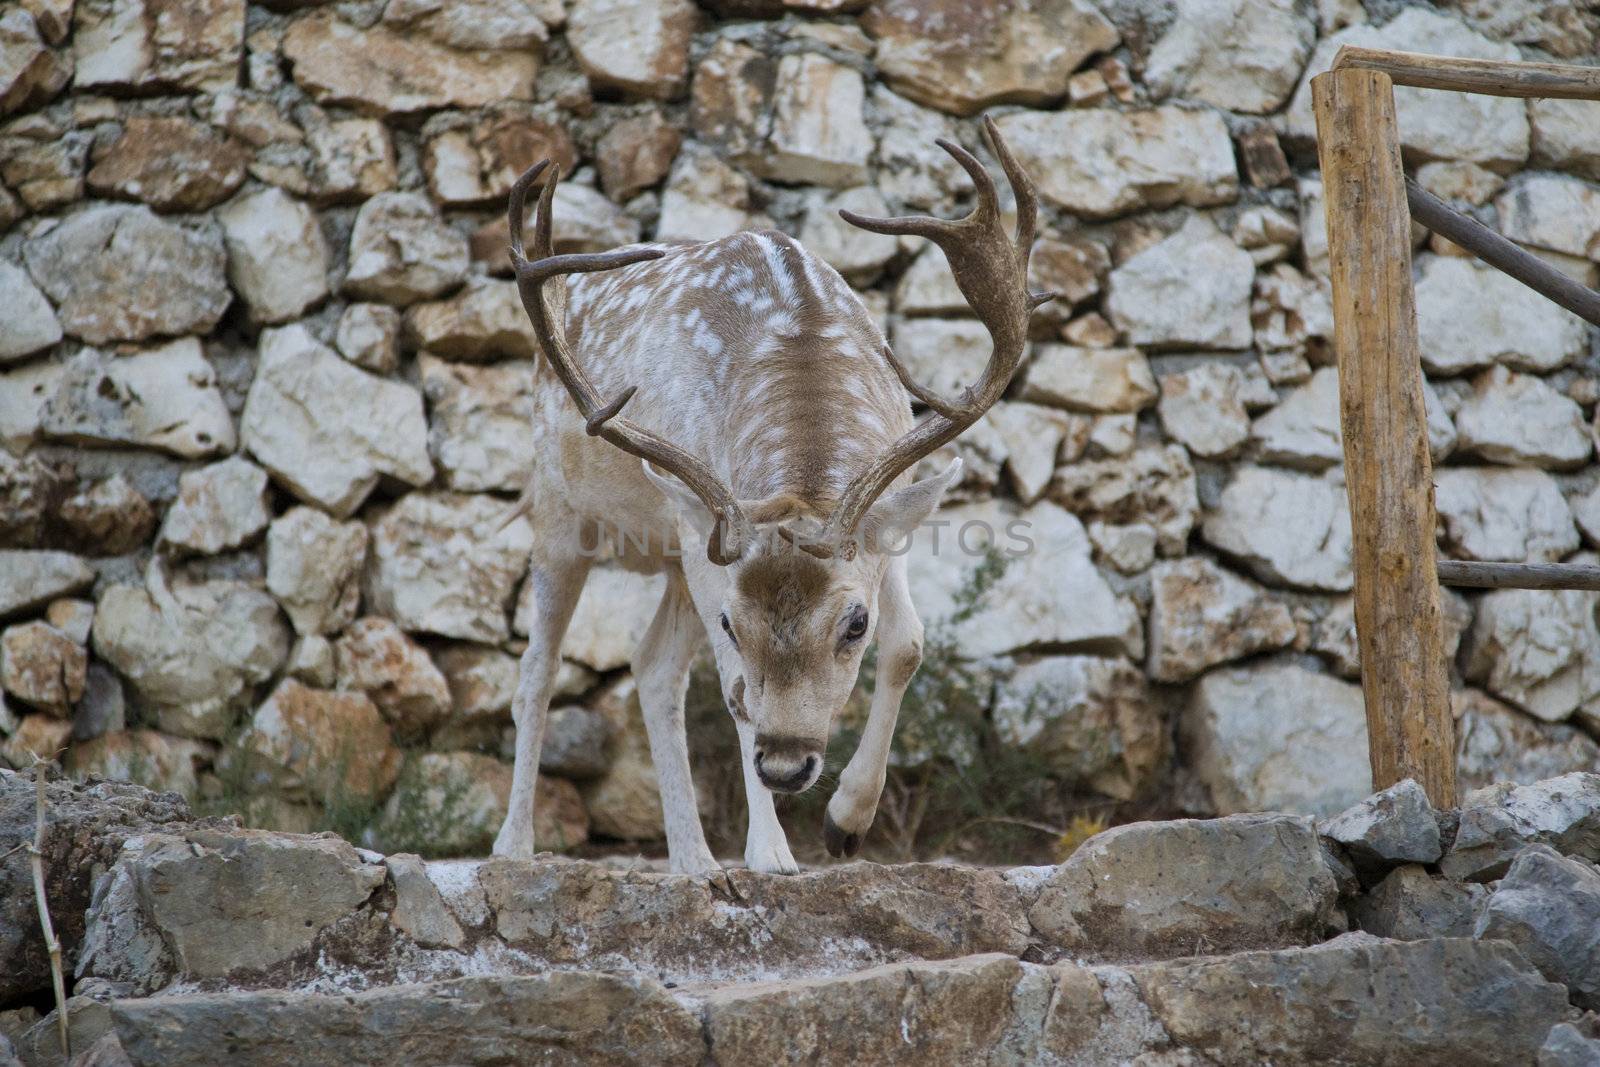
{"points": [[264, 382]]}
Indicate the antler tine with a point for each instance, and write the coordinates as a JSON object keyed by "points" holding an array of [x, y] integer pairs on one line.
{"points": [[1022, 187], [991, 269], [546, 309]]}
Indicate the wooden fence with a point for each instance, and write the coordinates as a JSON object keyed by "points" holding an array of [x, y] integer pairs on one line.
{"points": [[1388, 472]]}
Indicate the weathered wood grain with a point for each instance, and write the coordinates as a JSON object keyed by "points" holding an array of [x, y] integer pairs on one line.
{"points": [[1490, 77], [1519, 575], [1388, 473]]}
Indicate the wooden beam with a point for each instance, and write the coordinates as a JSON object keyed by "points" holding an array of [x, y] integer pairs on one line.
{"points": [[1490, 77], [1503, 255], [1388, 474], [1519, 575]]}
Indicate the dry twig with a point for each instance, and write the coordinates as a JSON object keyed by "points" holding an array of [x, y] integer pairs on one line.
{"points": [[51, 942]]}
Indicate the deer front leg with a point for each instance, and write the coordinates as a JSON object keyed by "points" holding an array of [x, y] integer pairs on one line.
{"points": [[556, 584], [855, 803], [661, 667], [766, 847]]}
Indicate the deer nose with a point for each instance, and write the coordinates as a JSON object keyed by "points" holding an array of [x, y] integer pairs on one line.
{"points": [[786, 765]]}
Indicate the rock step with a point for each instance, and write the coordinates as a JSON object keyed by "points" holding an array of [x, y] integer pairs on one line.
{"points": [[1355, 1000], [251, 909]]}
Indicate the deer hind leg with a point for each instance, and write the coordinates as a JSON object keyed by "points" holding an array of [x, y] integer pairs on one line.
{"points": [[556, 584], [855, 803], [661, 670]]}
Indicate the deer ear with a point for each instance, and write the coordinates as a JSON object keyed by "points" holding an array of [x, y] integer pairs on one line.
{"points": [[683, 499], [893, 516]]}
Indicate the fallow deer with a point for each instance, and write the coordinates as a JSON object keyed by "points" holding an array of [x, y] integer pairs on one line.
{"points": [[762, 398]]}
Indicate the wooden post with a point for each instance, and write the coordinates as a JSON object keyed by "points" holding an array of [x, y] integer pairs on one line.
{"points": [[1388, 473]]}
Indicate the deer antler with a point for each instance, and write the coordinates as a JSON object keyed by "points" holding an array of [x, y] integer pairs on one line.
{"points": [[546, 306], [991, 269]]}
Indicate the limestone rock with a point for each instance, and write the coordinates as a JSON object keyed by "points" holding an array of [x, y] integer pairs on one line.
{"points": [[610, 620], [614, 1019], [351, 158], [731, 99], [1154, 485], [326, 430], [1278, 737], [1089, 718], [119, 273], [1467, 1002], [277, 258], [1293, 312], [109, 518], [1305, 430], [375, 657], [480, 417], [1153, 889], [704, 198], [1518, 419], [381, 71], [72, 617], [313, 743], [1540, 650], [172, 164], [1552, 211], [574, 744], [484, 321], [436, 566], [477, 164], [1497, 744], [1393, 826], [1048, 593], [224, 901], [30, 73], [1568, 1046], [481, 681], [314, 567], [1500, 821], [1549, 907], [1100, 163], [26, 392], [1202, 408], [1191, 290], [1288, 528], [1035, 436], [452, 803], [192, 646], [1243, 55], [42, 736], [154, 760], [218, 508], [1202, 615], [369, 336], [419, 908], [1563, 135], [962, 59], [585, 221], [1470, 316], [1509, 514], [42, 666], [819, 135], [637, 47], [826, 921], [1097, 380], [85, 831], [46, 174], [1489, 130], [474, 25], [635, 154], [913, 170], [945, 355], [401, 252], [855, 253], [164, 397], [1412, 905], [158, 45], [30, 324], [31, 578]]}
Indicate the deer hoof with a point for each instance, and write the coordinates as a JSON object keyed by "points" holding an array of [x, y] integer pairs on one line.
{"points": [[840, 845]]}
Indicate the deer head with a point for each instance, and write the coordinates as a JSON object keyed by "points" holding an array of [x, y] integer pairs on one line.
{"points": [[789, 592]]}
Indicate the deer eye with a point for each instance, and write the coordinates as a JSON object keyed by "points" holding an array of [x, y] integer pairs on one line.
{"points": [[727, 629], [857, 627]]}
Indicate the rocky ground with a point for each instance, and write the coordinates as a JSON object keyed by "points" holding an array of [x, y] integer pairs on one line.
{"points": [[259, 329], [1388, 934]]}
